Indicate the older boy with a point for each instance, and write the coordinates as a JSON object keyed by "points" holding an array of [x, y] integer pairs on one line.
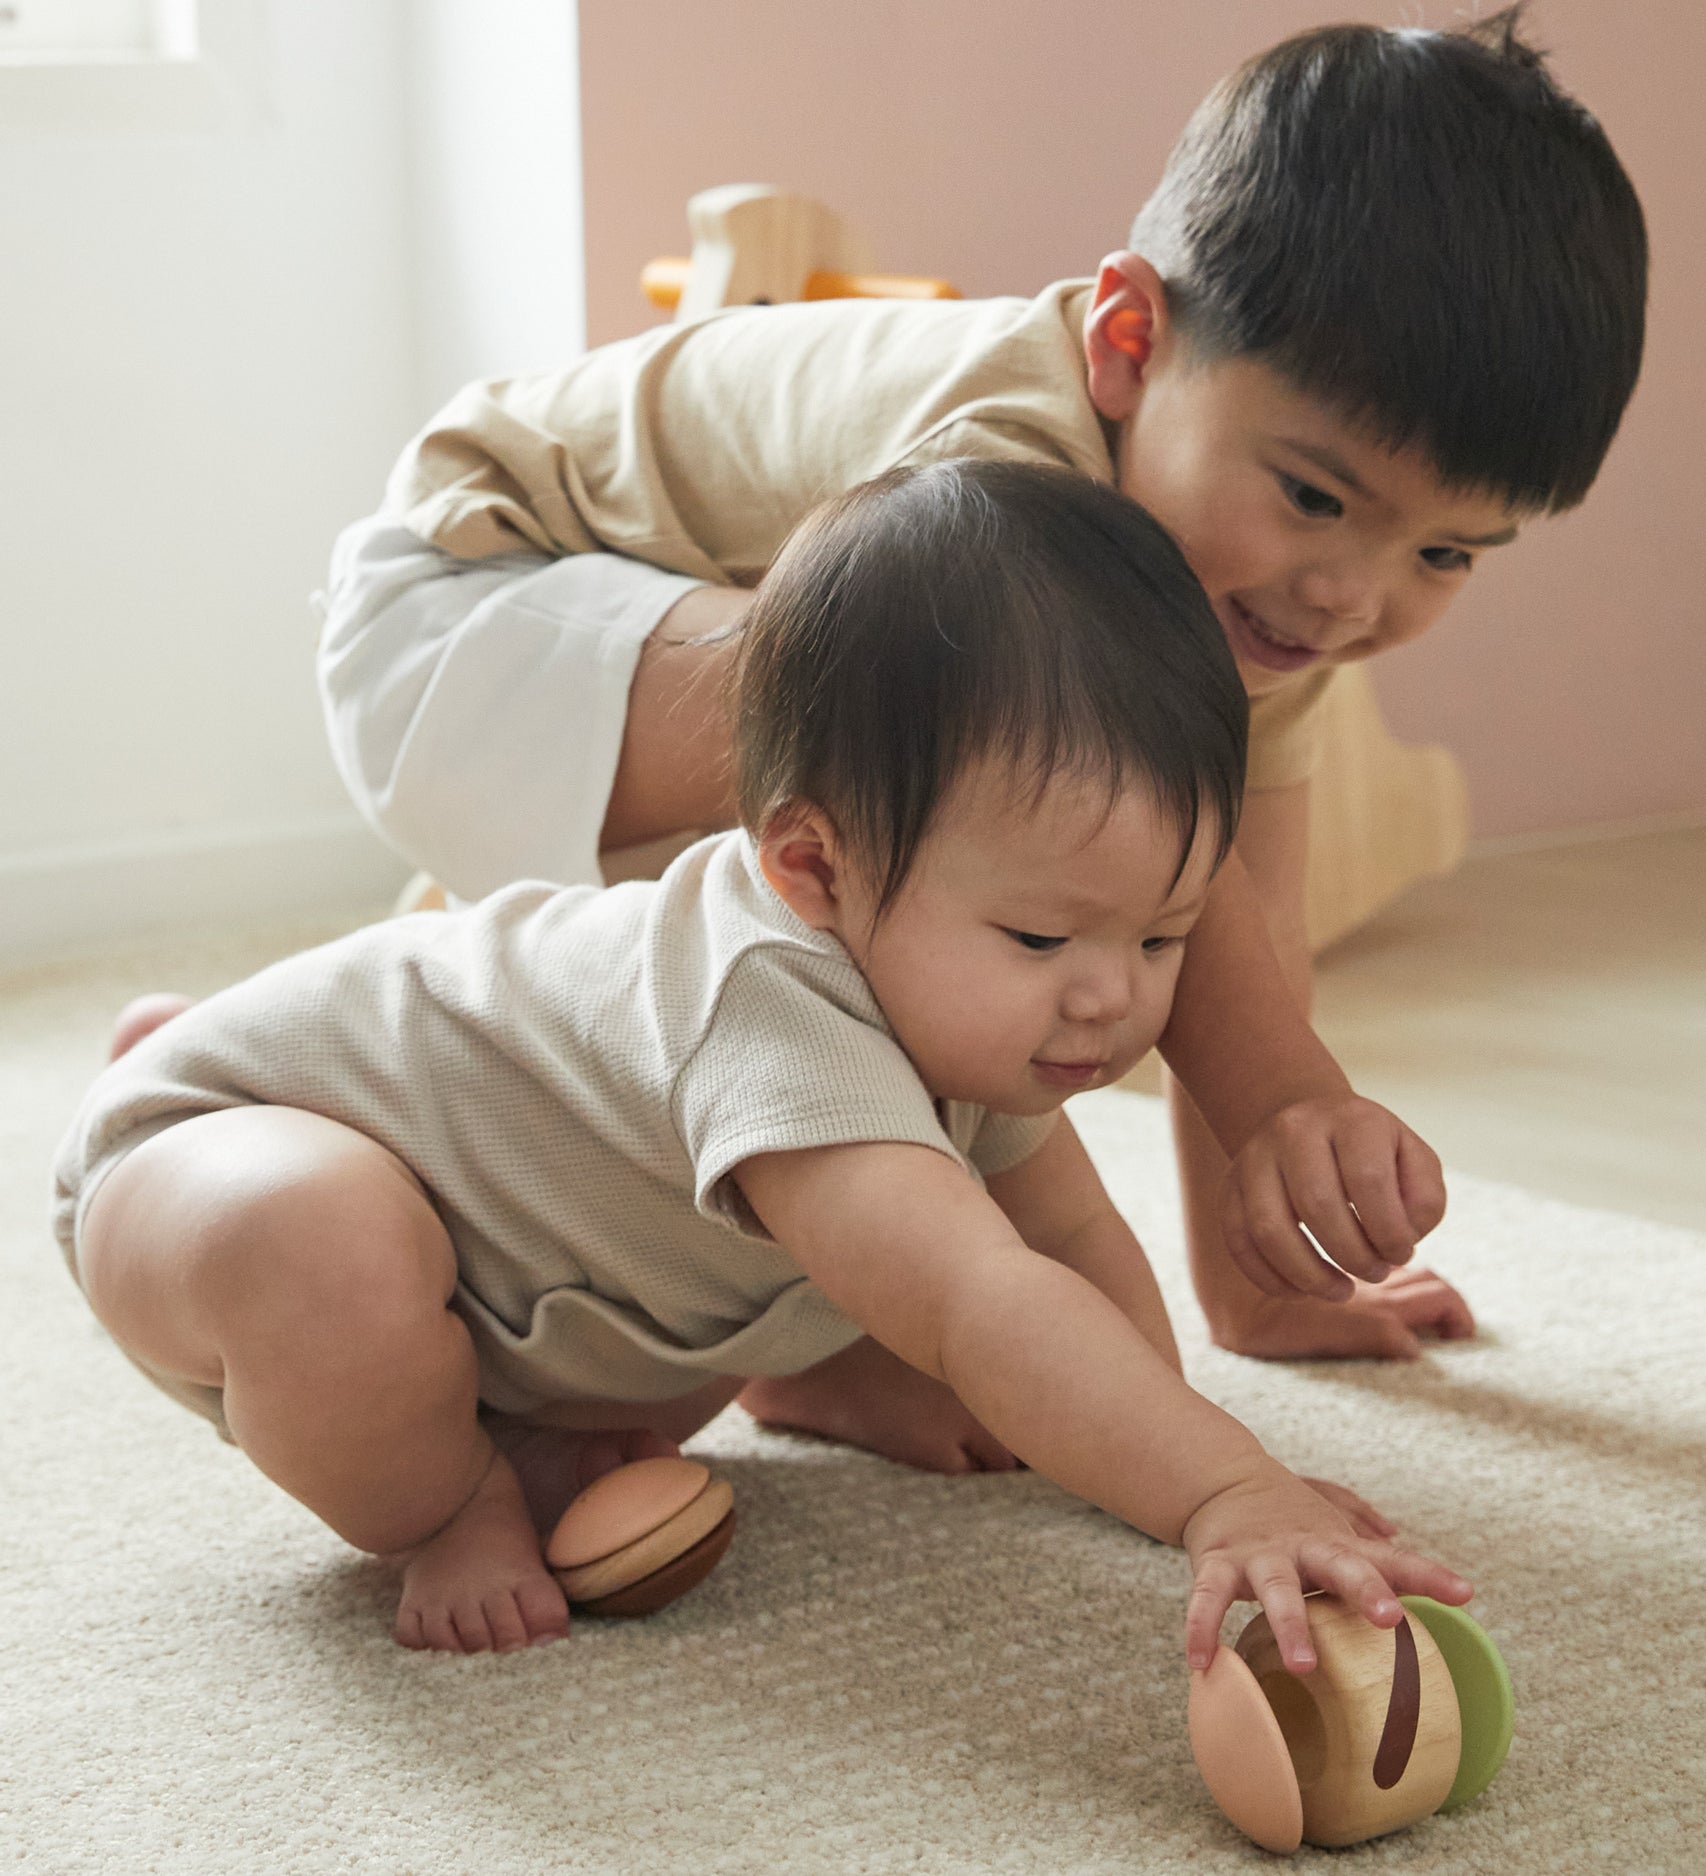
{"points": [[1387, 302]]}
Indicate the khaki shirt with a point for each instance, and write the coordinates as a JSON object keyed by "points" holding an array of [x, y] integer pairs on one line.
{"points": [[699, 447]]}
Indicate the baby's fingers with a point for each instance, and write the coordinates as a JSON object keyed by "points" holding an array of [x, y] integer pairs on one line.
{"points": [[1372, 1582], [1211, 1596], [1274, 1582]]}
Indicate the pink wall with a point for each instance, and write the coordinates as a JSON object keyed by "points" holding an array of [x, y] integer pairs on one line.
{"points": [[1005, 143]]}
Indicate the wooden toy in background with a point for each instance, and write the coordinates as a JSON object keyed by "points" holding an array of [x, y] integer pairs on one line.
{"points": [[755, 246], [641, 1536], [1392, 1725]]}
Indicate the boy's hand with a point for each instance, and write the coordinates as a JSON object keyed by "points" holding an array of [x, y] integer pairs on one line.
{"points": [[1365, 1187], [1272, 1536], [1382, 1322]]}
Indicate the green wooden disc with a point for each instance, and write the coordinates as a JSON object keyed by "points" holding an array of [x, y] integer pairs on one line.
{"points": [[1484, 1697]]}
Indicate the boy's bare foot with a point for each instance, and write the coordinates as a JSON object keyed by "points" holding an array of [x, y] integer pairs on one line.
{"points": [[869, 1397], [481, 1583], [141, 1016]]}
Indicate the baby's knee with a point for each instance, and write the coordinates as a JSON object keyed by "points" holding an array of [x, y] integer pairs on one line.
{"points": [[270, 1217]]}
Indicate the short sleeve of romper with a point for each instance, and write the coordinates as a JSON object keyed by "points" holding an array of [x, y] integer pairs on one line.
{"points": [[798, 1055]]}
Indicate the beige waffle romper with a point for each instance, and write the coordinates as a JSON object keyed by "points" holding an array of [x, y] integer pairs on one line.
{"points": [[573, 1073]]}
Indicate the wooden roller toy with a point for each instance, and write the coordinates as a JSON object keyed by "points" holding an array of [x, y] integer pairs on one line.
{"points": [[641, 1536], [1392, 1725]]}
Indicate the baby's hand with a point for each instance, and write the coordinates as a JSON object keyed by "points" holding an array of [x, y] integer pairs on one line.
{"points": [[1273, 1535], [1365, 1186]]}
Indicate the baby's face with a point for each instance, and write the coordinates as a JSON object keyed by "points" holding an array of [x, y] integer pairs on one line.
{"points": [[1315, 545], [1032, 953]]}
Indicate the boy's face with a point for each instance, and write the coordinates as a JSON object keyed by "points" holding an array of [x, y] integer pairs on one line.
{"points": [[1315, 544], [1032, 953]]}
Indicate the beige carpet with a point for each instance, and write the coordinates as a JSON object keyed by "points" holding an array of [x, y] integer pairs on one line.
{"points": [[891, 1671]]}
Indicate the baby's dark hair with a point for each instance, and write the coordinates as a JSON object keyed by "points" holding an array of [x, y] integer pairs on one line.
{"points": [[971, 609], [1426, 232]]}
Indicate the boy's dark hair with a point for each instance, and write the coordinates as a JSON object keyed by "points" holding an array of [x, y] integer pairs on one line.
{"points": [[1424, 231], [937, 615]]}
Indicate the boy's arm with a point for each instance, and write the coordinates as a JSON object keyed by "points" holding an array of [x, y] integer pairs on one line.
{"points": [[1375, 1319], [907, 1244]]}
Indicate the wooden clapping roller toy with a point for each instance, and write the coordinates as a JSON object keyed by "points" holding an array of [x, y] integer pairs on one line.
{"points": [[641, 1536], [1392, 1725]]}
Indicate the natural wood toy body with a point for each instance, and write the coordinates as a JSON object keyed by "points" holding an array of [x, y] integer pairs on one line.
{"points": [[758, 246], [1392, 1725], [641, 1536]]}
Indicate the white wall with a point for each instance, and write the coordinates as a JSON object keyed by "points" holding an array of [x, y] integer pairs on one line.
{"points": [[214, 344], [495, 116]]}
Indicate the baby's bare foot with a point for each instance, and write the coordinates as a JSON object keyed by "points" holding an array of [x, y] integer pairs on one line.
{"points": [[141, 1016], [869, 1397], [555, 1464], [481, 1582]]}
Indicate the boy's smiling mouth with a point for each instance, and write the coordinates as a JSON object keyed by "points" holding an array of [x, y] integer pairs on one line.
{"points": [[1252, 639]]}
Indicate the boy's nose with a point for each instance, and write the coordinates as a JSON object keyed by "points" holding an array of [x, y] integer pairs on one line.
{"points": [[1348, 593]]}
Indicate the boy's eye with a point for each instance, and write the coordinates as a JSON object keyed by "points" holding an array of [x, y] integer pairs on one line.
{"points": [[1308, 500], [1152, 946], [1448, 559], [1035, 941]]}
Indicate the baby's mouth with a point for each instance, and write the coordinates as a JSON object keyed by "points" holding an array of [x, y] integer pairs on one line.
{"points": [[1067, 1074]]}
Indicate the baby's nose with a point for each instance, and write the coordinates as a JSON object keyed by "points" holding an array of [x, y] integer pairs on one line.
{"points": [[1100, 996]]}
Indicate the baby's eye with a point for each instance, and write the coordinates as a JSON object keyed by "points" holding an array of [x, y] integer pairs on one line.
{"points": [[1034, 941], [1308, 500], [1448, 559], [1157, 944]]}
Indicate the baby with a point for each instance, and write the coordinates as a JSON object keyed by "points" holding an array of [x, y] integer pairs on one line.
{"points": [[442, 1220]]}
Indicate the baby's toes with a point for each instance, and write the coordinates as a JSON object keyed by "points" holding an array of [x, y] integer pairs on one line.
{"points": [[544, 1610], [421, 1625], [408, 1631], [473, 1631]]}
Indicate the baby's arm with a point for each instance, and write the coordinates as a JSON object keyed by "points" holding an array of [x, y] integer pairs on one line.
{"points": [[914, 1251], [1056, 1202]]}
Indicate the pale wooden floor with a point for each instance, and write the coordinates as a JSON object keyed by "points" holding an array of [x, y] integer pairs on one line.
{"points": [[1540, 1018]]}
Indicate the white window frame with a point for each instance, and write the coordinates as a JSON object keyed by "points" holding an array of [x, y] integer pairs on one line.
{"points": [[202, 73]]}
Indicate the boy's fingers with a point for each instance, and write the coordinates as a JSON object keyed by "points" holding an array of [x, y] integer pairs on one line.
{"points": [[1278, 1240], [1368, 1164], [1319, 1197], [1421, 1182], [1211, 1597], [1235, 1235]]}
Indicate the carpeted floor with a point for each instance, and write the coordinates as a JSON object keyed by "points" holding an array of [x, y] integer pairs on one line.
{"points": [[890, 1671]]}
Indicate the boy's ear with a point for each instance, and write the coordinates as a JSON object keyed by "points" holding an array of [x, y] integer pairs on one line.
{"points": [[1127, 321], [800, 855]]}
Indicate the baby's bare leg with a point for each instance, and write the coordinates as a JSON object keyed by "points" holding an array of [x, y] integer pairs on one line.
{"points": [[869, 1397], [299, 1266]]}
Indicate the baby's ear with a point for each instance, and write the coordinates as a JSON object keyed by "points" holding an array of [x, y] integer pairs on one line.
{"points": [[799, 853]]}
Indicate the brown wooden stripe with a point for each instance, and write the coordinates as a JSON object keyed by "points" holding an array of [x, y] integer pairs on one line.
{"points": [[1403, 1710]]}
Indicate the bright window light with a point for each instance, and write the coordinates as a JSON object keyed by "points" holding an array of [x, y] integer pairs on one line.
{"points": [[67, 31]]}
